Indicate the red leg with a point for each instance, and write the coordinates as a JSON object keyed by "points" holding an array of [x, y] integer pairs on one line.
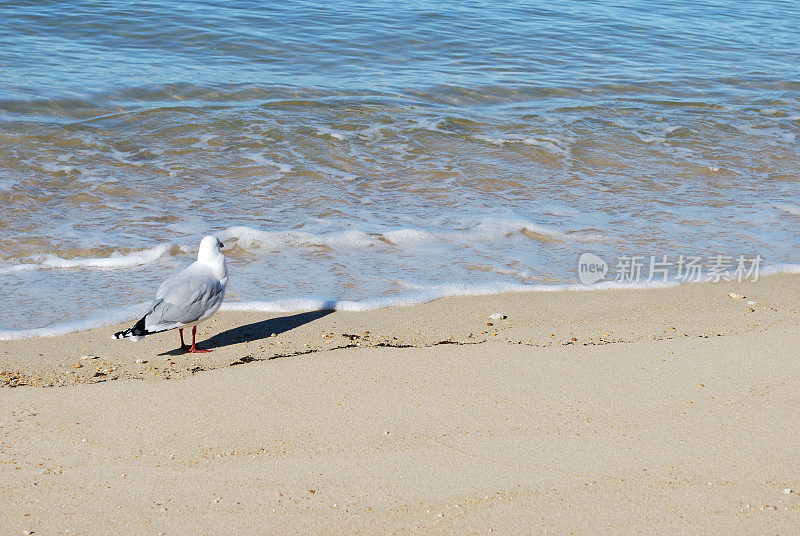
{"points": [[184, 346], [193, 349]]}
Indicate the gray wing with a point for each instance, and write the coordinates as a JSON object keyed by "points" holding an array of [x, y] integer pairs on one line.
{"points": [[188, 296]]}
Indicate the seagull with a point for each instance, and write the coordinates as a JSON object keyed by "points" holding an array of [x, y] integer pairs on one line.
{"points": [[187, 298]]}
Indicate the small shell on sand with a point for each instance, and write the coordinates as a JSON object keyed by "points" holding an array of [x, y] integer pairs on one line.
{"points": [[498, 316], [735, 296]]}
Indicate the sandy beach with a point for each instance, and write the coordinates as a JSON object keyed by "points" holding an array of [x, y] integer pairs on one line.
{"points": [[640, 411], [451, 178]]}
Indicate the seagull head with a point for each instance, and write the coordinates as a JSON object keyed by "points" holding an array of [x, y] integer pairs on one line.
{"points": [[209, 248]]}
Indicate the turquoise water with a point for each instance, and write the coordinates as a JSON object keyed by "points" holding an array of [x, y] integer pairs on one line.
{"points": [[385, 151]]}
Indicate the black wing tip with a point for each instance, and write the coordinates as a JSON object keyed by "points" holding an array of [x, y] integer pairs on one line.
{"points": [[137, 330]]}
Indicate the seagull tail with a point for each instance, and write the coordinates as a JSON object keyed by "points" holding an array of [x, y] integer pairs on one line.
{"points": [[136, 332]]}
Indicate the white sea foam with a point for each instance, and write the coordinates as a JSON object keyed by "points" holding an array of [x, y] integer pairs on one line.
{"points": [[109, 318], [408, 236], [113, 261], [552, 145], [249, 238], [423, 296], [495, 228], [524, 275], [488, 229]]}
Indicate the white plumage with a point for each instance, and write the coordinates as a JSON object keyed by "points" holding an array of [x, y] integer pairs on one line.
{"points": [[188, 297]]}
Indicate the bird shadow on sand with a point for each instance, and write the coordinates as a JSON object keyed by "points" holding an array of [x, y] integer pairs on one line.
{"points": [[255, 331]]}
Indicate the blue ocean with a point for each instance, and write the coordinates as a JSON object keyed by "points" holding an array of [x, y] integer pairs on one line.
{"points": [[365, 154]]}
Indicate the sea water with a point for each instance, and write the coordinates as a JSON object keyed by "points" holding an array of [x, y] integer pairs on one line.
{"points": [[364, 154]]}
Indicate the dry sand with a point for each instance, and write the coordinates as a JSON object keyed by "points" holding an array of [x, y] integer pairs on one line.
{"points": [[660, 411]]}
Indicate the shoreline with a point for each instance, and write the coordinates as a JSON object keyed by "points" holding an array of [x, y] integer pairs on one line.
{"points": [[538, 319], [122, 315]]}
